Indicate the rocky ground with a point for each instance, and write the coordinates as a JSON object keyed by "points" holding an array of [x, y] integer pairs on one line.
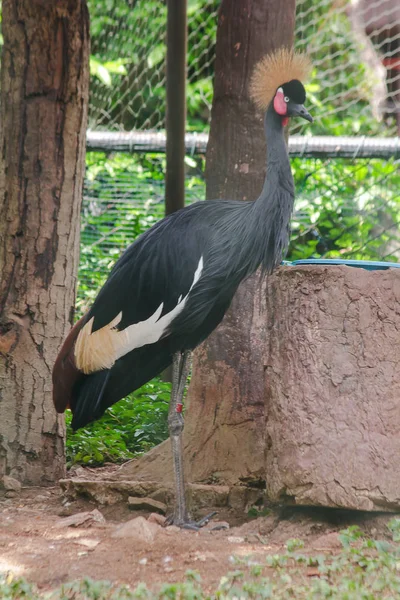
{"points": [[50, 538]]}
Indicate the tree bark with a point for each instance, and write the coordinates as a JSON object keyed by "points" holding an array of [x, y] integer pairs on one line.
{"points": [[224, 429], [44, 97]]}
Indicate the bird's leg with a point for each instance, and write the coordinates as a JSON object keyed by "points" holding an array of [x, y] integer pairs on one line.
{"points": [[180, 371]]}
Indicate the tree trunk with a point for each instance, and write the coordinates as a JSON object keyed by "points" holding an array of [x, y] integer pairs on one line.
{"points": [[44, 94], [332, 387], [224, 428]]}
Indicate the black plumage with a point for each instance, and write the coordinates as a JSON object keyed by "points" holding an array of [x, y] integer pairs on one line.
{"points": [[173, 285], [158, 268]]}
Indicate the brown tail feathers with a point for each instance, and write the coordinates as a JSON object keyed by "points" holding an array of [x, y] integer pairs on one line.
{"points": [[65, 373]]}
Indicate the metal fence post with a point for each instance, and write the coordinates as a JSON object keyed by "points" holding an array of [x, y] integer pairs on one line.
{"points": [[176, 104]]}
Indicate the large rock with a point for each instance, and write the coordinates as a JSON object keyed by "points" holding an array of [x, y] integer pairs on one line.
{"points": [[138, 529], [150, 494], [147, 504], [107, 492], [82, 519], [10, 484], [333, 387]]}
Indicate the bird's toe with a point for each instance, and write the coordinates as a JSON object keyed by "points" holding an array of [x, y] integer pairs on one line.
{"points": [[187, 523]]}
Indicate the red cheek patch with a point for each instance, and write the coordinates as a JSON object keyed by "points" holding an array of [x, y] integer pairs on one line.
{"points": [[280, 105]]}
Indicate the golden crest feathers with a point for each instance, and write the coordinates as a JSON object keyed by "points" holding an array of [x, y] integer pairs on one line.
{"points": [[273, 71]]}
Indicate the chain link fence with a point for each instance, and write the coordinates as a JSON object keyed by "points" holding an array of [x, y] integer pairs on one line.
{"points": [[354, 72], [129, 58], [346, 207], [355, 49]]}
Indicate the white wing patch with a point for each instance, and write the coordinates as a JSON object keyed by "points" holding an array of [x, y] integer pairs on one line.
{"points": [[100, 350]]}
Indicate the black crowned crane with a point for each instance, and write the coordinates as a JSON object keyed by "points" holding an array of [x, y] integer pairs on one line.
{"points": [[173, 285]]}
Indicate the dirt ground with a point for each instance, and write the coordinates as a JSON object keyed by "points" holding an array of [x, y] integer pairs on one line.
{"points": [[36, 543]]}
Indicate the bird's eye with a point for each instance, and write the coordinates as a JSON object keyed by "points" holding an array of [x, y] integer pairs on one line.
{"points": [[286, 99]]}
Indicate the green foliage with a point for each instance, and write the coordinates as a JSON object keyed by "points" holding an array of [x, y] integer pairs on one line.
{"points": [[128, 66], [345, 209], [128, 62], [294, 544], [256, 512], [394, 527], [104, 71], [130, 427], [123, 197], [350, 535], [16, 588]]}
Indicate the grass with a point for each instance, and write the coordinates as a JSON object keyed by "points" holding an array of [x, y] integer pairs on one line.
{"points": [[364, 569]]}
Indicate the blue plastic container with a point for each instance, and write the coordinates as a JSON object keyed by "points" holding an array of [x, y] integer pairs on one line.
{"points": [[370, 265]]}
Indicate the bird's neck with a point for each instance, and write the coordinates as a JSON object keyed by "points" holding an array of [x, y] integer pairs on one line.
{"points": [[274, 206], [278, 165]]}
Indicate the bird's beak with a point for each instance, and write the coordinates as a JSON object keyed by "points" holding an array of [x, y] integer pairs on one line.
{"points": [[298, 110]]}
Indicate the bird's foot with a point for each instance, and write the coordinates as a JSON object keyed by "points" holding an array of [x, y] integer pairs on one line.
{"points": [[187, 523]]}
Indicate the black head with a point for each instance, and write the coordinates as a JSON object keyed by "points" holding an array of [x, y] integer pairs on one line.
{"points": [[289, 101], [267, 85], [295, 91]]}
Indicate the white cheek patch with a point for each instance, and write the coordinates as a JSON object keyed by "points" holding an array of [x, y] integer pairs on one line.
{"points": [[100, 350]]}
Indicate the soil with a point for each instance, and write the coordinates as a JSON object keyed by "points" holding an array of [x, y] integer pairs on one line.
{"points": [[35, 546]]}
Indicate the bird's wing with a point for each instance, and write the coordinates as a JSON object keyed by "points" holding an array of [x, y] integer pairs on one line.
{"points": [[147, 289]]}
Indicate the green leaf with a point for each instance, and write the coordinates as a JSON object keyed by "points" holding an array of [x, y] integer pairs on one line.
{"points": [[100, 71], [157, 55], [190, 162]]}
